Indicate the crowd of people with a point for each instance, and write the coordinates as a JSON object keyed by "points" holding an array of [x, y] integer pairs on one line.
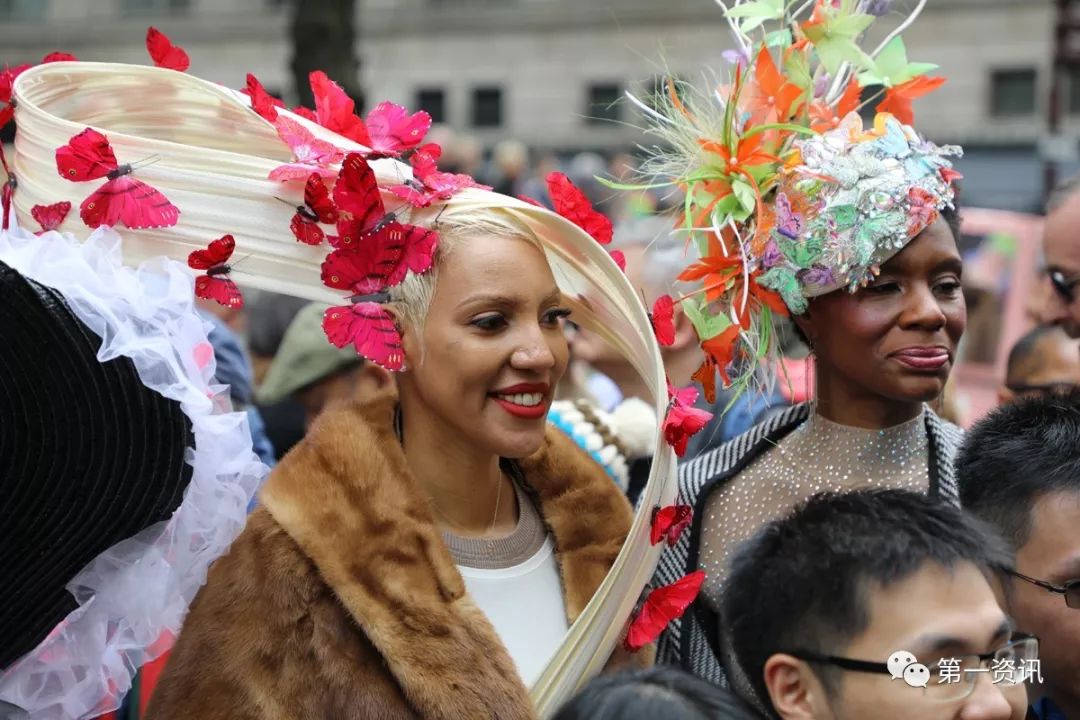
{"points": [[388, 460]]}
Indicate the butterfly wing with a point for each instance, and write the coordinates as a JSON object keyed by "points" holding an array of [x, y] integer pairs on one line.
{"points": [[87, 156], [220, 289], [393, 130], [368, 328], [335, 110], [130, 201], [416, 197], [357, 193], [572, 204], [425, 160], [7, 193], [661, 606], [164, 53], [306, 231], [311, 154], [217, 252], [669, 522], [50, 216], [317, 197], [663, 320], [620, 259], [417, 248], [363, 269], [262, 102]]}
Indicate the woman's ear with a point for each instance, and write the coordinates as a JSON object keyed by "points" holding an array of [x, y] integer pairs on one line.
{"points": [[794, 690]]}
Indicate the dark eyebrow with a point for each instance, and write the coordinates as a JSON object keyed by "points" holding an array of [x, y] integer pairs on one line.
{"points": [[932, 643], [505, 301], [952, 264]]}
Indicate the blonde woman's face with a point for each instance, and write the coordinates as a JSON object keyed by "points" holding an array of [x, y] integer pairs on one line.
{"points": [[492, 349]]}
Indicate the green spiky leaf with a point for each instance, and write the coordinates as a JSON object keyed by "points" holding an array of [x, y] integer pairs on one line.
{"points": [[834, 40], [755, 14], [708, 325], [891, 67]]}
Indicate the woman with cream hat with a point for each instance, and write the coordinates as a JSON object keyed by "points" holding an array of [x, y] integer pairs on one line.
{"points": [[397, 549]]}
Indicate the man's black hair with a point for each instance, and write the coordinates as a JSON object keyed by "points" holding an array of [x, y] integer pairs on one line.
{"points": [[659, 692], [1023, 355], [1017, 454], [801, 583]]}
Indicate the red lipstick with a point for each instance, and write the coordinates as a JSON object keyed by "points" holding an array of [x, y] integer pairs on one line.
{"points": [[529, 401], [921, 357]]}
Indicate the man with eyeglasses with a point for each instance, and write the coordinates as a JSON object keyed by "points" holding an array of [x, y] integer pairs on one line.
{"points": [[1059, 300], [1045, 361], [1019, 469], [875, 605]]}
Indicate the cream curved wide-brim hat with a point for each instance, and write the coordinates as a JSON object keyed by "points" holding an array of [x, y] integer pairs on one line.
{"points": [[210, 154]]}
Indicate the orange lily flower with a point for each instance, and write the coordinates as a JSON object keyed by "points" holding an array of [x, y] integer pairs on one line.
{"points": [[719, 352], [898, 99], [770, 98], [748, 152], [715, 269], [823, 117]]}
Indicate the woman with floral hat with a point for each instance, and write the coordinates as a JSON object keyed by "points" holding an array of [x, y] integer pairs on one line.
{"points": [[799, 209]]}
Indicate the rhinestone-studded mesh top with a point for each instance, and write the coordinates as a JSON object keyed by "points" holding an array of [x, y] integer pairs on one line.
{"points": [[818, 456]]}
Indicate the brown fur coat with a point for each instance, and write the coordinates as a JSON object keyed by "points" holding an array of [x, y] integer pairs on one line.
{"points": [[339, 600]]}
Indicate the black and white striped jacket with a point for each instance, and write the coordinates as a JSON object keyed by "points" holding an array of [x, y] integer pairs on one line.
{"points": [[690, 642]]}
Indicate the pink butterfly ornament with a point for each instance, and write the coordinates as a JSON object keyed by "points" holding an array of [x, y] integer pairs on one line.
{"points": [[310, 154]]}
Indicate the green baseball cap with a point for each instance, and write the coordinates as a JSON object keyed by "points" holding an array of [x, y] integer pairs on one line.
{"points": [[304, 357]]}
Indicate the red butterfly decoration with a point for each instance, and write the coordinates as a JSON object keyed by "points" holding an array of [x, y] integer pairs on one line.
{"points": [[7, 80], [620, 258], [7, 193], [381, 260], [163, 52], [215, 283], [683, 420], [262, 102], [317, 208], [335, 110], [123, 198], [58, 57], [429, 184], [369, 329], [663, 320], [50, 216], [392, 130], [660, 607], [311, 154], [572, 204], [359, 202], [669, 522]]}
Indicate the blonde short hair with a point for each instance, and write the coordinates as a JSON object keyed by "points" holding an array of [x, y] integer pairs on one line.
{"points": [[411, 299]]}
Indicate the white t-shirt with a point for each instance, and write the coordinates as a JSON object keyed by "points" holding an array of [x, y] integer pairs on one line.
{"points": [[525, 604]]}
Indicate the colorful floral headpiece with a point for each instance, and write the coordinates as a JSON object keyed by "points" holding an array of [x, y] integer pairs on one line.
{"points": [[786, 195]]}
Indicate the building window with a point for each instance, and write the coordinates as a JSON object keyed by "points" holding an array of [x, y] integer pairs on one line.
{"points": [[1012, 92], [603, 103], [487, 107], [1073, 89], [433, 101], [155, 7], [22, 9]]}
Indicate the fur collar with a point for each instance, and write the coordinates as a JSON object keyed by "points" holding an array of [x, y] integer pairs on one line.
{"points": [[347, 497]]}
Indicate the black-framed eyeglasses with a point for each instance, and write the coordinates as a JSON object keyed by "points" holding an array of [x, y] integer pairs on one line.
{"points": [[1053, 388], [1071, 589], [953, 678], [1064, 285]]}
